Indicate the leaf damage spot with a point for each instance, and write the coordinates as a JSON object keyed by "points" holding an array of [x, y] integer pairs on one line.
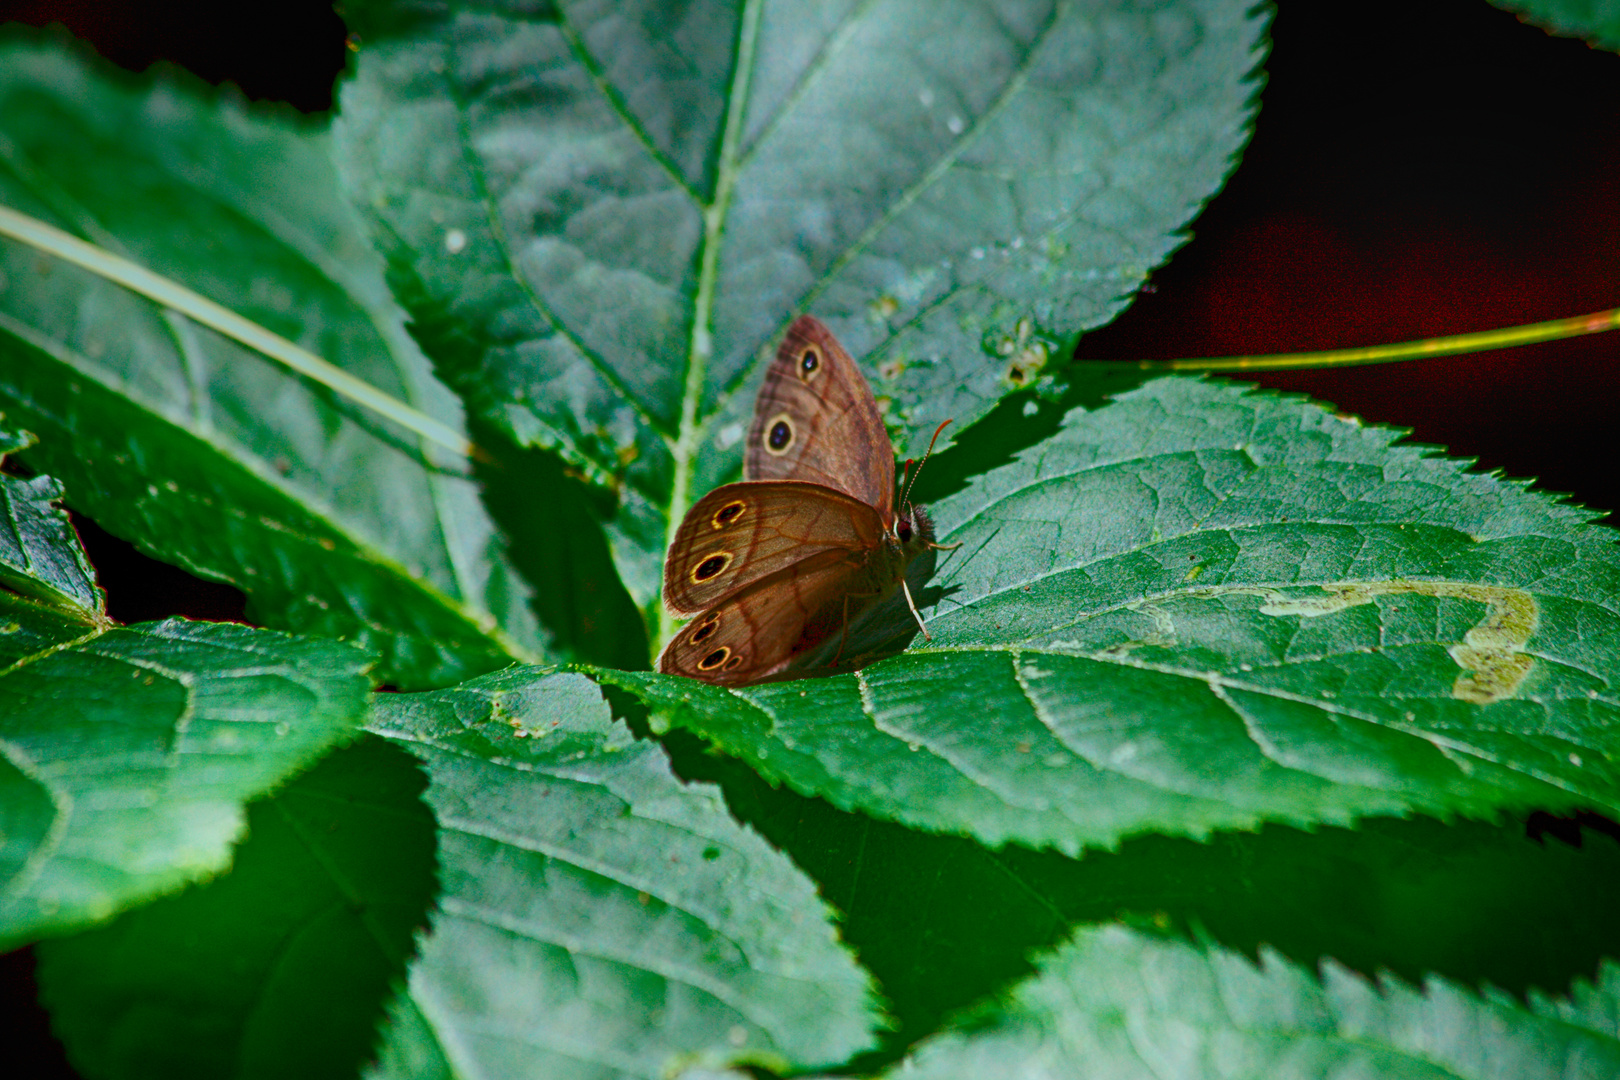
{"points": [[1491, 654], [884, 308], [1163, 634], [1025, 354]]}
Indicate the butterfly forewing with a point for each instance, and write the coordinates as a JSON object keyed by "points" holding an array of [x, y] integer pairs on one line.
{"points": [[753, 634], [742, 533], [815, 420]]}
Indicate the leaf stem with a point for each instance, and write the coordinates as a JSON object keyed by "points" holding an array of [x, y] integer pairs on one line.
{"points": [[701, 346], [1482, 341], [200, 309]]}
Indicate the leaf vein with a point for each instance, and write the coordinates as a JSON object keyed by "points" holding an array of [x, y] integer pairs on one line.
{"points": [[503, 243], [593, 68], [640, 960], [946, 162]]}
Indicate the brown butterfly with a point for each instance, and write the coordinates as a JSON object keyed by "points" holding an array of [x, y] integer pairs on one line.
{"points": [[777, 564]]}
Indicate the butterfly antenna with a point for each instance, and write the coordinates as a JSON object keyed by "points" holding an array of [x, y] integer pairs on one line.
{"points": [[905, 498]]}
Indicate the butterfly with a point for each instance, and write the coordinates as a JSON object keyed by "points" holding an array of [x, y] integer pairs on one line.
{"points": [[775, 565]]}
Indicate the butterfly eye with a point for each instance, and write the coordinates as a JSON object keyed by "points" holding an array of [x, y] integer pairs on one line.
{"points": [[716, 658], [711, 566], [779, 434], [905, 531], [809, 362], [705, 632], [728, 513]]}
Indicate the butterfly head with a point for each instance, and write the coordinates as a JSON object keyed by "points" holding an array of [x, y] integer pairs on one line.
{"points": [[914, 530]]}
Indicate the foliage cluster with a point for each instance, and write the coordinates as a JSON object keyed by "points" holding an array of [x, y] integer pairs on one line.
{"points": [[1205, 768]]}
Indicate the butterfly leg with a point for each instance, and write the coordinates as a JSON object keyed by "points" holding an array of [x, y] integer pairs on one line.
{"points": [[843, 636], [944, 547], [913, 606]]}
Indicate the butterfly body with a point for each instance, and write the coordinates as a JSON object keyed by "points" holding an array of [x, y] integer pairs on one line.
{"points": [[780, 563]]}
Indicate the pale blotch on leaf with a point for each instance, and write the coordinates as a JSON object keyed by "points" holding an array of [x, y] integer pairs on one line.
{"points": [[1491, 654]]}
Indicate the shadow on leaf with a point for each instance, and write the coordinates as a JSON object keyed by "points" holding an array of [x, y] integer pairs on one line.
{"points": [[551, 520], [943, 922]]}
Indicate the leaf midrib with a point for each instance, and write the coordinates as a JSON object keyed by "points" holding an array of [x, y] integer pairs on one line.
{"points": [[700, 346], [360, 547], [181, 331], [183, 337]]}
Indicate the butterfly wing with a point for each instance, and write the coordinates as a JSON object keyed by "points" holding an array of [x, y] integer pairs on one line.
{"points": [[743, 533], [752, 634], [815, 419]]}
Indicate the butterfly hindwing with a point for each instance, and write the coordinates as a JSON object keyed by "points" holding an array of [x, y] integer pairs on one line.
{"points": [[755, 633], [742, 533]]}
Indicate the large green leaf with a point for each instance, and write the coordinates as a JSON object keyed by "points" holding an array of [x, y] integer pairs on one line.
{"points": [[1201, 608], [200, 451], [603, 215], [1598, 21], [126, 753], [598, 917], [279, 968], [1114, 1004]]}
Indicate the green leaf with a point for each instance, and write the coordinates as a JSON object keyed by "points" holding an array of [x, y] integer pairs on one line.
{"points": [[40, 557], [126, 753], [200, 451], [1597, 21], [942, 922], [281, 967], [1202, 608], [603, 216], [1118, 1004], [129, 752], [599, 917]]}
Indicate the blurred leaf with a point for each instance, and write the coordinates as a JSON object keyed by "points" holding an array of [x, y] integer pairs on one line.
{"points": [[198, 450], [280, 968], [599, 917], [1597, 21], [1202, 608], [603, 216], [1118, 1004]]}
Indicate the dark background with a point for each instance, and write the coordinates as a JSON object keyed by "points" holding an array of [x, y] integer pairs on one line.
{"points": [[1443, 170]]}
